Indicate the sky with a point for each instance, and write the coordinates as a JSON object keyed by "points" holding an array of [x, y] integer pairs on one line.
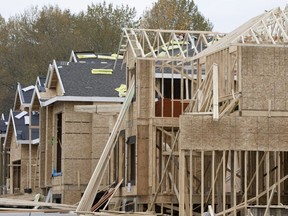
{"points": [[226, 15]]}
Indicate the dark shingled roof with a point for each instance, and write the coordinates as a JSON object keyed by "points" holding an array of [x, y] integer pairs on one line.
{"points": [[3, 127], [27, 96], [23, 130], [41, 84], [78, 79]]}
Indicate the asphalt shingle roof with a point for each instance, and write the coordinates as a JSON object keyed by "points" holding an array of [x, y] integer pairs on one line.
{"points": [[27, 95], [22, 129], [3, 126], [78, 79]]}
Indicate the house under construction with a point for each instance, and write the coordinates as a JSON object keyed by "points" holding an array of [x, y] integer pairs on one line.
{"points": [[203, 128]]}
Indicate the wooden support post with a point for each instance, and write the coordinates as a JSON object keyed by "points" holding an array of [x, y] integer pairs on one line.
{"points": [[191, 181], [165, 170], [245, 178], [278, 177], [267, 211], [213, 179], [257, 177], [215, 93], [235, 158], [232, 180], [182, 182], [267, 175], [223, 182], [202, 181]]}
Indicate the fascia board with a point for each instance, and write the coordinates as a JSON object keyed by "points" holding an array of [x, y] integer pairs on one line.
{"points": [[7, 129], [83, 99], [26, 142], [59, 77], [72, 57], [13, 122]]}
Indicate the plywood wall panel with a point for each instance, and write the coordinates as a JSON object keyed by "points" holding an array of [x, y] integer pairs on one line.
{"points": [[264, 78], [234, 133], [76, 145]]}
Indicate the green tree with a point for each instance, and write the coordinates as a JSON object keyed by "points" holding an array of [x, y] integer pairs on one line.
{"points": [[175, 14], [103, 25], [31, 40]]}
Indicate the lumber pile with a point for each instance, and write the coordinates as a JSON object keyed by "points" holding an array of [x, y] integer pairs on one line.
{"points": [[24, 203]]}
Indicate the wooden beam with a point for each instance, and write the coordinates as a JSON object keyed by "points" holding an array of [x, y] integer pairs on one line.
{"points": [[215, 93], [100, 108], [267, 211]]}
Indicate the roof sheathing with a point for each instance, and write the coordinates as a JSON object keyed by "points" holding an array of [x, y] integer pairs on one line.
{"points": [[78, 79]]}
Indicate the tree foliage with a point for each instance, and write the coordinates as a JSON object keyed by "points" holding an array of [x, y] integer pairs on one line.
{"points": [[175, 14], [30, 41]]}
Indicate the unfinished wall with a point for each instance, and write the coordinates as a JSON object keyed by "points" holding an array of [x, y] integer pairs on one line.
{"points": [[15, 149], [264, 78], [234, 133], [25, 167]]}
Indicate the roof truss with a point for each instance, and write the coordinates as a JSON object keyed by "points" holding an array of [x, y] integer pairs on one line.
{"points": [[162, 44]]}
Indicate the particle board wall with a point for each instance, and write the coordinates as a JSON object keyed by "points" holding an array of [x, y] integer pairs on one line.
{"points": [[234, 133], [145, 96], [264, 78], [100, 134], [15, 149], [25, 164], [142, 166], [76, 171], [76, 145]]}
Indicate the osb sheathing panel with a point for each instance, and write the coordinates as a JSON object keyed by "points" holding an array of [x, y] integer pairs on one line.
{"points": [[77, 127], [142, 170], [71, 115], [130, 120], [76, 145], [70, 197], [24, 174], [234, 133], [144, 82], [99, 142], [25, 151], [15, 150], [100, 134], [71, 168], [264, 78], [56, 181]]}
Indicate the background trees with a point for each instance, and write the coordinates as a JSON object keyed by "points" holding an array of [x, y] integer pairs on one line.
{"points": [[31, 40], [175, 14]]}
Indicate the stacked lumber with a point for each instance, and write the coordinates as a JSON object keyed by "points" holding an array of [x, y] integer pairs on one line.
{"points": [[24, 203]]}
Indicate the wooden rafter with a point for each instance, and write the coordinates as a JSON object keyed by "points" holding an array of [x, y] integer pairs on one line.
{"points": [[270, 27], [155, 44]]}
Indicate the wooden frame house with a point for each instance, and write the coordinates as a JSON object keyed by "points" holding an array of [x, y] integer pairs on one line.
{"points": [[21, 144], [77, 109], [23, 97], [149, 120], [226, 154]]}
